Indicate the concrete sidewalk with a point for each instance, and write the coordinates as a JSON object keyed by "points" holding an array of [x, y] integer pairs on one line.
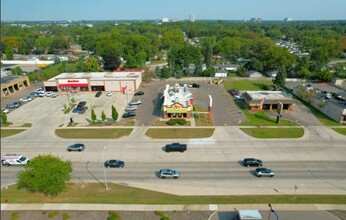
{"points": [[210, 207]]}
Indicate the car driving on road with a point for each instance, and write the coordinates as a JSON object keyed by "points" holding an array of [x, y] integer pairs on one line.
{"points": [[76, 147], [169, 173], [264, 172], [252, 162], [114, 163]]}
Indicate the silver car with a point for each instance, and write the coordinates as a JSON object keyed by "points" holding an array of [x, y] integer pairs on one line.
{"points": [[131, 108], [169, 173], [135, 102], [76, 147], [264, 172]]}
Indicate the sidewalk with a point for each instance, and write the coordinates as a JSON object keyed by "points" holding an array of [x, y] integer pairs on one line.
{"points": [[210, 207]]}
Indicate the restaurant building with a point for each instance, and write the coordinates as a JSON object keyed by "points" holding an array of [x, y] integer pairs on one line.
{"points": [[269, 100]]}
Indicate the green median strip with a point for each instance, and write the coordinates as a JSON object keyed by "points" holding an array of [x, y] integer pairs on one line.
{"points": [[94, 133], [182, 133], [274, 132], [121, 194], [10, 132]]}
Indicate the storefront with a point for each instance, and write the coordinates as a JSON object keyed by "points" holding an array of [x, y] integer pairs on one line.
{"points": [[177, 102]]}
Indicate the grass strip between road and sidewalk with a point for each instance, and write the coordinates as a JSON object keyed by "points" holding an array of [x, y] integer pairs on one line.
{"points": [[340, 130], [274, 132], [94, 133], [180, 133], [10, 132], [121, 194]]}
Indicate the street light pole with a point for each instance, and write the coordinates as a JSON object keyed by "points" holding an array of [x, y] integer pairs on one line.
{"points": [[273, 211], [104, 169]]}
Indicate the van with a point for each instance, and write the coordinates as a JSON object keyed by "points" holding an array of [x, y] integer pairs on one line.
{"points": [[14, 160], [248, 215]]}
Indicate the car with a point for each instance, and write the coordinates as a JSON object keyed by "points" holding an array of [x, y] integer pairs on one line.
{"points": [[175, 147], [233, 92], [129, 114], [109, 93], [54, 95], [26, 99], [169, 173], [194, 85], [48, 94], [98, 94], [252, 162], [80, 109], [82, 103], [41, 94], [135, 102], [139, 93], [239, 97], [114, 163], [131, 108], [5, 110], [76, 147], [34, 94], [13, 105], [264, 172], [40, 89]]}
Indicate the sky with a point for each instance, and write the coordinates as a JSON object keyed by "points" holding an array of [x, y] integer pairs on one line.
{"points": [[53, 10]]}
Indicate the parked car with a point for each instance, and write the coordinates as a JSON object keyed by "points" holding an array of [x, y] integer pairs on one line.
{"points": [[54, 94], [169, 173], [26, 99], [264, 172], [194, 85], [34, 94], [109, 93], [76, 147], [80, 109], [48, 94], [131, 108], [98, 94], [41, 94], [233, 92], [139, 93], [5, 110], [135, 102], [129, 114], [13, 105], [252, 162], [175, 147], [114, 163], [82, 103]]}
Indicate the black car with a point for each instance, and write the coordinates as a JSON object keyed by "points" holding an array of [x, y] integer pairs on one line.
{"points": [[252, 162], [129, 114], [76, 147], [139, 93], [98, 94], [114, 163], [81, 104], [194, 85], [175, 147]]}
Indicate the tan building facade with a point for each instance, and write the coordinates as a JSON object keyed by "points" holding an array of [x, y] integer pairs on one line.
{"points": [[269, 100], [13, 84]]}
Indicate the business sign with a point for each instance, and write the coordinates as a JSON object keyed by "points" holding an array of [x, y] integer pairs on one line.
{"points": [[73, 82]]}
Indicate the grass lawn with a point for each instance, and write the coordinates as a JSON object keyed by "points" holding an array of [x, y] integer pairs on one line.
{"points": [[183, 133], [10, 132], [274, 132], [340, 130], [202, 120], [92, 133], [164, 123], [120, 194], [252, 85]]}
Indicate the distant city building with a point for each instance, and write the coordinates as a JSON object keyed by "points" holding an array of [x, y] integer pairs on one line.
{"points": [[288, 19], [165, 19], [256, 20], [192, 17]]}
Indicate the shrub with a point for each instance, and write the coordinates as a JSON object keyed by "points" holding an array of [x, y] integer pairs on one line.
{"points": [[65, 216], [171, 122], [159, 213], [53, 214], [14, 216], [181, 121], [113, 215]]}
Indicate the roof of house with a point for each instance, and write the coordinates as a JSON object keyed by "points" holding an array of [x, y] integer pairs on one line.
{"points": [[269, 97]]}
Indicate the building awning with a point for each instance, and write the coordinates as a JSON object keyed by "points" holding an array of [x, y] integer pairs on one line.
{"points": [[74, 85], [177, 110]]}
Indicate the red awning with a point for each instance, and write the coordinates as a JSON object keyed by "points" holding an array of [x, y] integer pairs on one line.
{"points": [[74, 85]]}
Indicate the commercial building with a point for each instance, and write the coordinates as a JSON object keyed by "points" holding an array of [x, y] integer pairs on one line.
{"points": [[119, 81], [13, 84], [177, 102], [270, 100]]}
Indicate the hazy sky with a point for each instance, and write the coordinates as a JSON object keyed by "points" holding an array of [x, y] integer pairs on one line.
{"points": [[39, 10]]}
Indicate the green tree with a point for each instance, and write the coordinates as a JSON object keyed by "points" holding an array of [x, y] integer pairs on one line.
{"points": [[9, 52], [103, 116], [92, 65], [46, 174], [280, 78], [115, 114], [172, 38], [93, 115], [207, 55], [16, 71], [62, 67], [3, 117], [43, 43]]}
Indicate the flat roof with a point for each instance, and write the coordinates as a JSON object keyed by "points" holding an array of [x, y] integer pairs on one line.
{"points": [[9, 79], [177, 94], [268, 95], [98, 75]]}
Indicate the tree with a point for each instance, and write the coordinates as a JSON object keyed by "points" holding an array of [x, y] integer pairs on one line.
{"points": [[280, 78], [9, 52], [103, 116], [93, 115], [115, 114], [207, 55], [92, 65], [3, 117], [45, 174]]}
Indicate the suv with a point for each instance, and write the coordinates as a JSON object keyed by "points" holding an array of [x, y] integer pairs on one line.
{"points": [[13, 105], [169, 173], [264, 172], [175, 147], [194, 85], [252, 162], [14, 159]]}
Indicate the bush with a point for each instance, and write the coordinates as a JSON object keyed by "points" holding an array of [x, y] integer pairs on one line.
{"points": [[171, 122], [53, 214], [65, 216], [113, 215], [181, 121], [159, 213]]}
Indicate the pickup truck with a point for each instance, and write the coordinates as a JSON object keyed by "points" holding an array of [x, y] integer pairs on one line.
{"points": [[175, 147]]}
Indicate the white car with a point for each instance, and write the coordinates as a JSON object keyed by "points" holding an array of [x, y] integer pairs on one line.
{"points": [[48, 94], [109, 93], [135, 102], [26, 99], [5, 110], [131, 108], [41, 94], [54, 94]]}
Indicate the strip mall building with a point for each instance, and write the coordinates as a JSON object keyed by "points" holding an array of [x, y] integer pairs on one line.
{"points": [[128, 80]]}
